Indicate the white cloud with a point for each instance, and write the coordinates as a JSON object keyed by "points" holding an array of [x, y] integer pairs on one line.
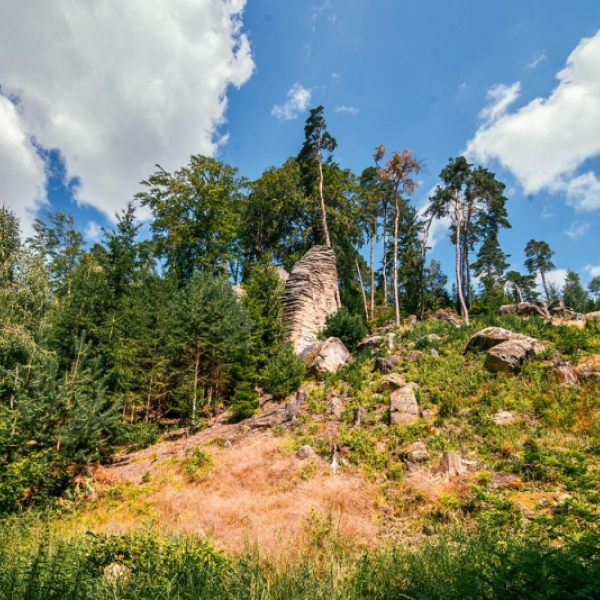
{"points": [[545, 142], [556, 277], [93, 232], [538, 57], [439, 228], [348, 109], [546, 213], [22, 171], [577, 229], [593, 270], [297, 101], [500, 97], [121, 86]]}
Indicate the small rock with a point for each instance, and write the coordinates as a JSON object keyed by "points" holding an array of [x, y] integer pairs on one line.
{"points": [[392, 382], [504, 417], [443, 315], [115, 572], [416, 453], [386, 365], [305, 453], [452, 464], [434, 353], [525, 309], [369, 342], [404, 409], [430, 414], [291, 411], [414, 356], [335, 407], [588, 366], [301, 396]]}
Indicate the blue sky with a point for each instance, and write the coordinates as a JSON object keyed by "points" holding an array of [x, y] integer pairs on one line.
{"points": [[113, 89]]}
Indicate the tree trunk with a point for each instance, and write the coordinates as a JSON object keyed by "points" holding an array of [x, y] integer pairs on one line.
{"points": [[322, 198], [362, 289], [422, 273], [195, 398], [385, 287], [544, 285], [396, 297], [372, 268], [459, 288]]}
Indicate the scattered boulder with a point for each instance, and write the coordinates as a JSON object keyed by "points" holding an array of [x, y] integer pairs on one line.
{"points": [[369, 342], [386, 365], [326, 356], [392, 382], [442, 314], [391, 341], [413, 385], [306, 453], [433, 352], [558, 308], [526, 309], [291, 411], [493, 336], [505, 480], [335, 407], [588, 366], [504, 417], [416, 453], [563, 371], [311, 295], [414, 356], [404, 409], [116, 572], [508, 356]]}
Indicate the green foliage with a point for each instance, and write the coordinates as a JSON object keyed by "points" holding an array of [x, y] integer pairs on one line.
{"points": [[573, 293], [284, 373], [244, 402], [138, 435], [350, 329], [197, 465]]}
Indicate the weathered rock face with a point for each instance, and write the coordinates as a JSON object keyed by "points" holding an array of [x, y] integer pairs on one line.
{"points": [[392, 382], [327, 356], [526, 309], [311, 295], [404, 409], [386, 365], [508, 356], [492, 336], [442, 315], [588, 366]]}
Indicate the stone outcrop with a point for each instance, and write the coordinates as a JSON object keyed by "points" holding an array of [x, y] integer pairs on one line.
{"points": [[588, 366], [311, 295], [386, 365], [326, 356], [373, 341], [392, 382], [404, 409], [493, 336], [526, 309], [508, 356], [442, 314]]}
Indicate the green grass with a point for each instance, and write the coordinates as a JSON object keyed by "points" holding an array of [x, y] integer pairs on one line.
{"points": [[37, 563]]}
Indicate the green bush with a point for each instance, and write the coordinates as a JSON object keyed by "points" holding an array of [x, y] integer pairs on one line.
{"points": [[244, 402], [350, 329], [284, 373]]}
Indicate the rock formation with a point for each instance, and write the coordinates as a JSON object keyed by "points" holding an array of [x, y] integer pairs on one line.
{"points": [[492, 336], [311, 295], [404, 409], [326, 356]]}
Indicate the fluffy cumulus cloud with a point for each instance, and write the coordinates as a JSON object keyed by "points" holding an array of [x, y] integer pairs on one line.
{"points": [[296, 102], [546, 142], [117, 87], [22, 171]]}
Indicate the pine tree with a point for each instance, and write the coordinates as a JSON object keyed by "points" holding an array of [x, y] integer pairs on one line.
{"points": [[539, 257]]}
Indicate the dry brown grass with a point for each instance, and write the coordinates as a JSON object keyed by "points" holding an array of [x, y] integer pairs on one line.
{"points": [[257, 493]]}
